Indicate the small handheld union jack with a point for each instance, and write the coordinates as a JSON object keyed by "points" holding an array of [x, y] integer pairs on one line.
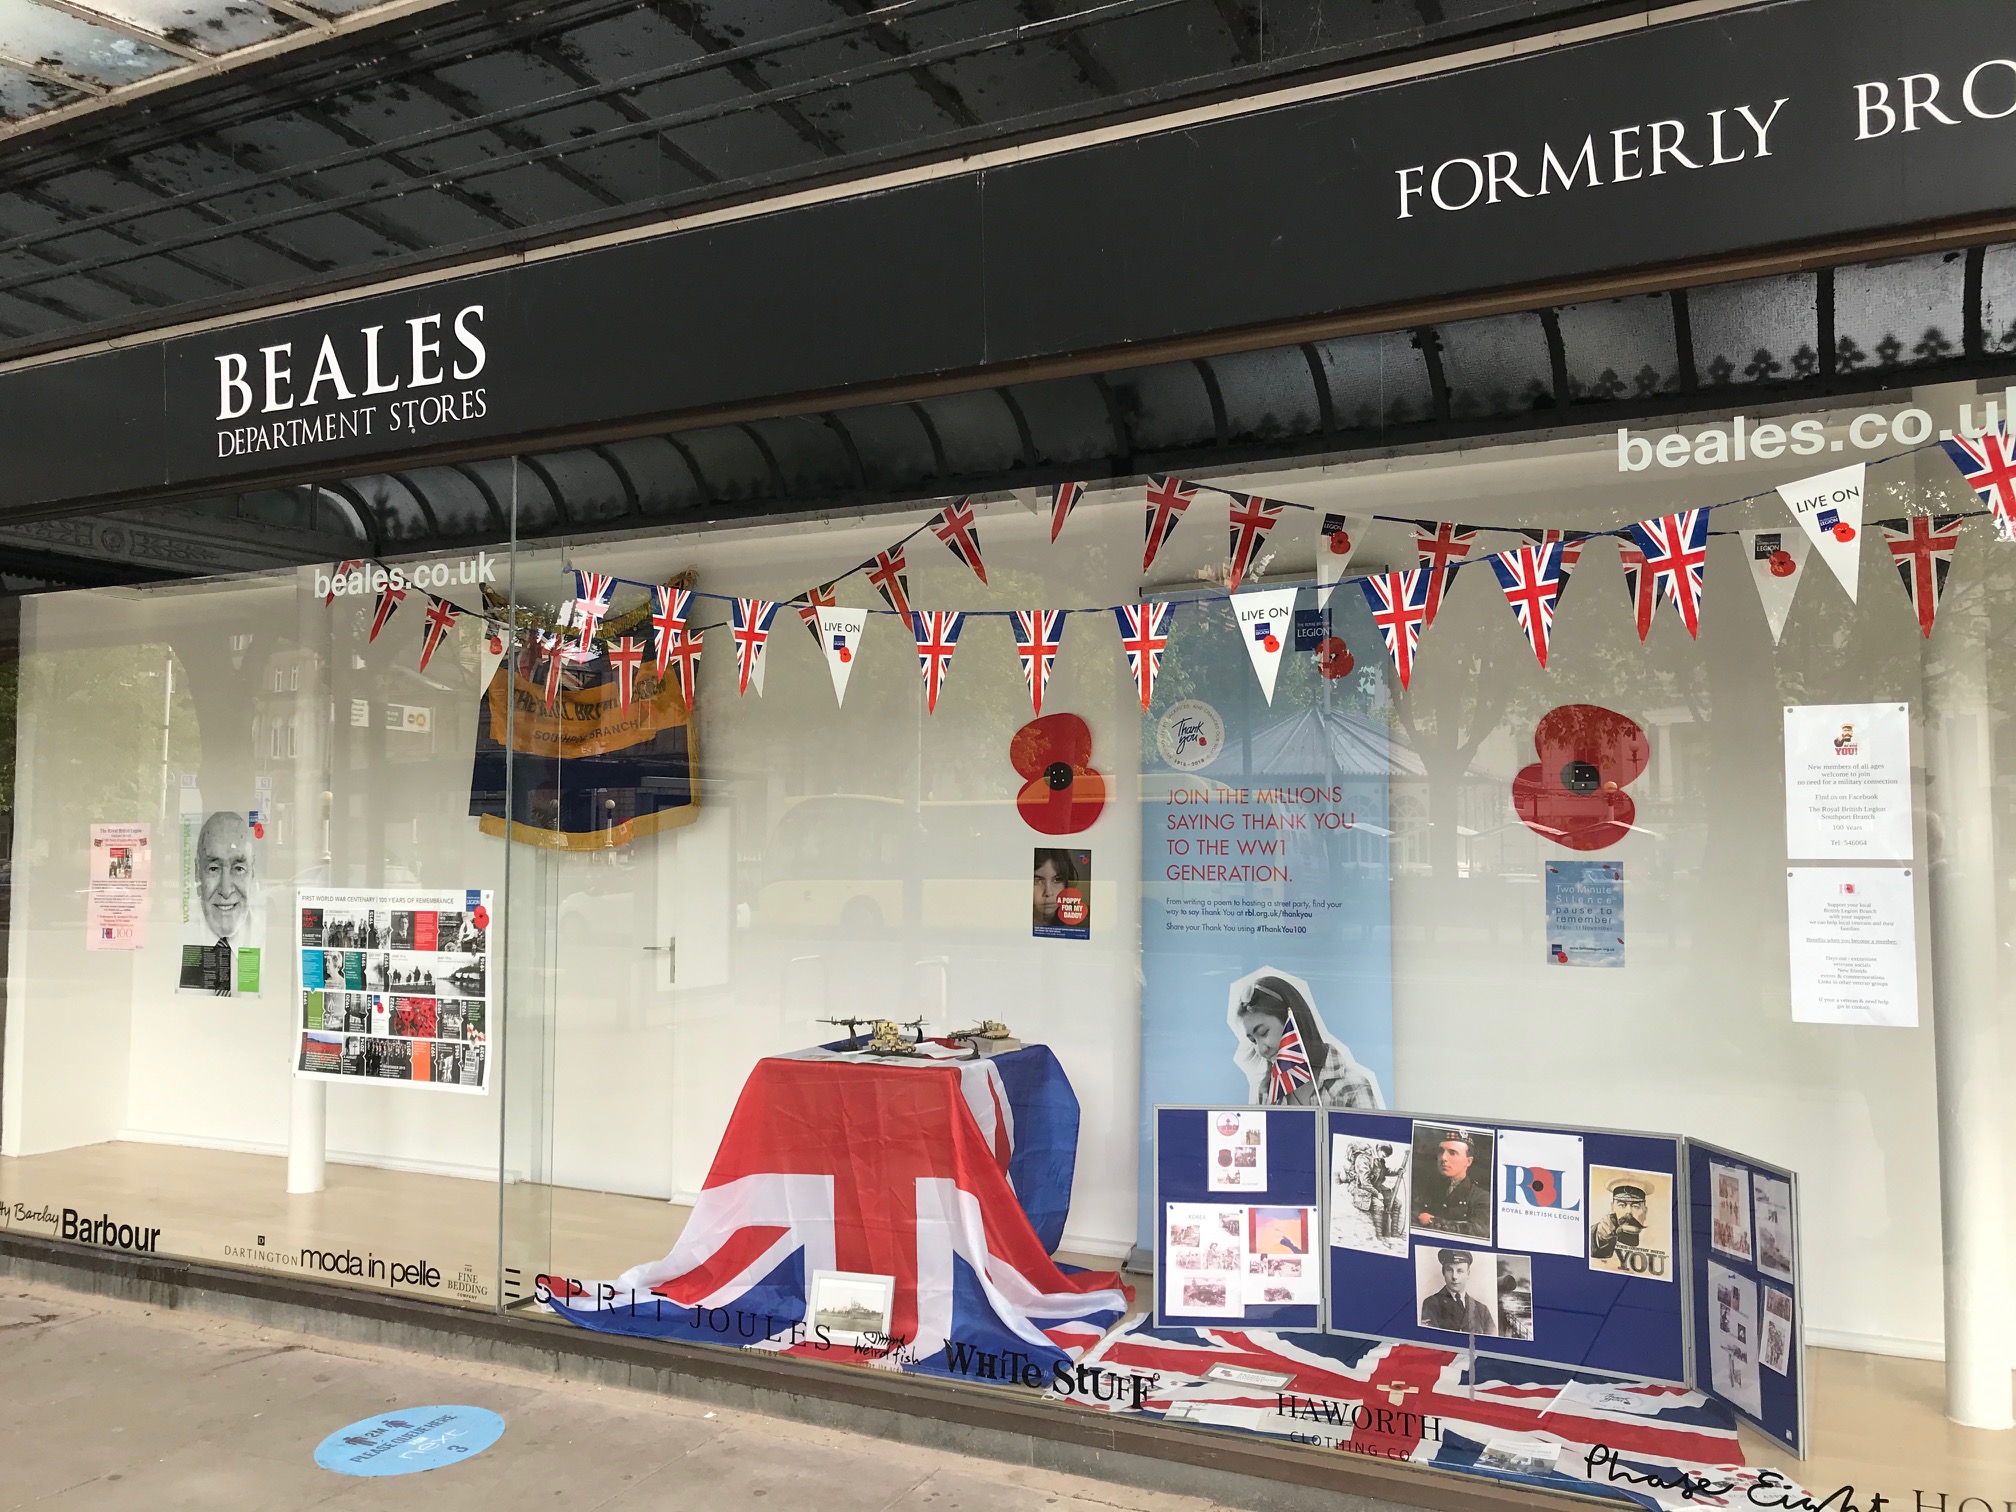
{"points": [[668, 623], [441, 617], [1399, 603], [1533, 577], [1168, 498], [1039, 635], [1144, 636], [592, 591], [937, 632], [1922, 547], [1063, 499], [1290, 1067], [752, 621], [1251, 518], [954, 526], [1676, 554], [1988, 463]]}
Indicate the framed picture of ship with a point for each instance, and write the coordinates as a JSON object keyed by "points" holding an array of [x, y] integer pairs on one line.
{"points": [[850, 1307]]}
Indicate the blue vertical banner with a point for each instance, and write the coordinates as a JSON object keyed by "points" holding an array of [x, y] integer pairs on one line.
{"points": [[1266, 949]]}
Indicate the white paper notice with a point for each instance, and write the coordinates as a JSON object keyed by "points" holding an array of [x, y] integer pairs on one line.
{"points": [[1539, 1181], [1848, 782], [1204, 1255], [1282, 1267], [1854, 945], [1733, 1339], [1236, 1148], [115, 906]]}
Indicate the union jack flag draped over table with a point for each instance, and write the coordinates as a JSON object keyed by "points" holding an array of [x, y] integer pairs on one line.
{"points": [[1290, 1067], [668, 624], [1988, 463], [389, 599], [920, 1189], [625, 657], [1676, 554], [1167, 499], [752, 621], [1922, 547], [1064, 498], [592, 591], [937, 632], [891, 576], [1639, 587], [1144, 636], [1399, 603], [1039, 634], [1533, 577], [1439, 543], [441, 617], [1419, 1403], [1251, 518], [954, 526]]}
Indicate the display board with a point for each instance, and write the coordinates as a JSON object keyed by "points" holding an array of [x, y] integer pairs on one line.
{"points": [[1538, 1241], [1749, 1329], [1238, 1214], [394, 986]]}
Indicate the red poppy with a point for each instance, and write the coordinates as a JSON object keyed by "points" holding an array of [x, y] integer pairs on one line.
{"points": [[1062, 794], [1782, 564], [1333, 657], [1574, 795]]}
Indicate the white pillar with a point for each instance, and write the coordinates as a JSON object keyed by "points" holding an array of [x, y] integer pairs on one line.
{"points": [[1974, 1128], [307, 1136]]}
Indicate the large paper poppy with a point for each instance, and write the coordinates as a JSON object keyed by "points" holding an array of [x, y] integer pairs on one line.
{"points": [[1574, 795], [1063, 794]]}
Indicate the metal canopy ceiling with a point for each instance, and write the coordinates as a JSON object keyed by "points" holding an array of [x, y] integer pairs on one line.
{"points": [[459, 128]]}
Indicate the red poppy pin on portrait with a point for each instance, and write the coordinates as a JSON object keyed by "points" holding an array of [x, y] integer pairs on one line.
{"points": [[1062, 794], [1574, 795]]}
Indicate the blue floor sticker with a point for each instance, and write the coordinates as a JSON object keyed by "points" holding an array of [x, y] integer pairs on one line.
{"points": [[408, 1440]]}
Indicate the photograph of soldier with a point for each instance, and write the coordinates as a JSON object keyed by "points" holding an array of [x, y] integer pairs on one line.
{"points": [[1368, 1211], [1515, 1296], [1631, 1222], [1456, 1290], [1452, 1174]]}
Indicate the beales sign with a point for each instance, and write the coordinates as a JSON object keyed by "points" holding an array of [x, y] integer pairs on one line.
{"points": [[1764, 126]]}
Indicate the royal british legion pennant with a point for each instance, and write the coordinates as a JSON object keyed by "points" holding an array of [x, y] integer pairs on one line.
{"points": [[441, 617], [1144, 636], [668, 624], [751, 629], [1533, 577], [1439, 544], [891, 576], [592, 591], [1988, 463], [1675, 549], [1250, 519], [1399, 603], [1336, 540], [1039, 635], [1167, 499], [495, 643], [389, 599], [1921, 546], [839, 633], [1064, 498], [1828, 508], [937, 632], [625, 657], [954, 525], [1264, 616], [1777, 561]]}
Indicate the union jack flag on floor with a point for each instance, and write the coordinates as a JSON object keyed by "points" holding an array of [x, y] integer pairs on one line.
{"points": [[441, 617], [1399, 603], [668, 625], [751, 629], [1440, 543], [1418, 1403], [1168, 498], [1675, 547], [1039, 635], [1250, 519], [1988, 463], [592, 592], [954, 526], [1533, 577], [1922, 547], [1290, 1067], [1064, 498], [937, 632], [1144, 636]]}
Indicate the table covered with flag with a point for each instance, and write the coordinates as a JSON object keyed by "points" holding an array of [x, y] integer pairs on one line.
{"points": [[950, 1174]]}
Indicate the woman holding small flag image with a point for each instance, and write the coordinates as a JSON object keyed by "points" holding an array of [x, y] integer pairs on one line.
{"points": [[1289, 1058]]}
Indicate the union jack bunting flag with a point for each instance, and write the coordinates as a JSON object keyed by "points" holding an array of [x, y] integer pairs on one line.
{"points": [[556, 662], [1290, 1067], [1039, 633], [891, 576], [1922, 548], [752, 621], [810, 602], [1572, 542], [668, 624], [441, 617], [625, 657], [1439, 543], [1399, 603], [1533, 577], [1425, 1404], [1063, 499], [937, 632], [683, 652], [955, 527], [1638, 586], [1988, 463], [1144, 636], [389, 599], [343, 570], [1251, 518], [1676, 554], [592, 591], [1167, 499]]}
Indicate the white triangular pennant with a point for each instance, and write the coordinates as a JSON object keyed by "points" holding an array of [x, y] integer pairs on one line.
{"points": [[840, 637], [1265, 617], [492, 652], [1777, 566], [1828, 507], [1336, 541]]}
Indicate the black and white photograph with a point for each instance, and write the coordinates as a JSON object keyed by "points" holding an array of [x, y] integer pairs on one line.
{"points": [[408, 973], [1370, 1196], [1729, 1195], [1515, 1296], [1452, 1181], [848, 1306], [1772, 1199], [1733, 1338], [1456, 1290], [223, 926], [1287, 1054], [1777, 1329]]}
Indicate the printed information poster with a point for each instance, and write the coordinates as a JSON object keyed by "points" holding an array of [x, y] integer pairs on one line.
{"points": [[1585, 913], [1854, 945], [1236, 1146], [395, 986], [115, 907], [223, 919], [1206, 1249], [1848, 782]]}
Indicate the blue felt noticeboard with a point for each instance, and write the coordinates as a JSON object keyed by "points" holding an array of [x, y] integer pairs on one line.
{"points": [[1581, 1316], [1183, 1174], [1781, 1396]]}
